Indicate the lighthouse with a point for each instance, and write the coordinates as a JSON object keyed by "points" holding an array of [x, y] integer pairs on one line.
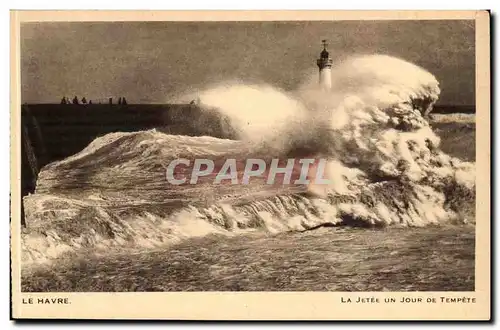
{"points": [[325, 68]]}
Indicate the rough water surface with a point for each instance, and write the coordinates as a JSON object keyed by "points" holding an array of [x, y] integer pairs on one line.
{"points": [[384, 161]]}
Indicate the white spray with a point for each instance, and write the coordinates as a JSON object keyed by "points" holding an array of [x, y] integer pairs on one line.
{"points": [[384, 161]]}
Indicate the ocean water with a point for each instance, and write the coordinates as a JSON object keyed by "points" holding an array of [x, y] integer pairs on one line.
{"points": [[384, 164]]}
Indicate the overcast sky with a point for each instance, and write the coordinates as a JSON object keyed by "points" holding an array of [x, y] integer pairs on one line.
{"points": [[147, 62]]}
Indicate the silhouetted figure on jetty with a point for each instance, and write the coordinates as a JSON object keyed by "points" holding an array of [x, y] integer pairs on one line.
{"points": [[110, 100], [124, 101], [90, 102], [75, 100], [195, 101], [120, 100], [63, 100], [84, 100]]}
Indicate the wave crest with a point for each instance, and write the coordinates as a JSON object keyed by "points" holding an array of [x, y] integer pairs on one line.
{"points": [[384, 162]]}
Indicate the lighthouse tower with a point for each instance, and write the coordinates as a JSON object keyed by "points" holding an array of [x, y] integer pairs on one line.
{"points": [[325, 68]]}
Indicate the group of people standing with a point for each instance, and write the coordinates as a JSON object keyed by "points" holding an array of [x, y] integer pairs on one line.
{"points": [[75, 100]]}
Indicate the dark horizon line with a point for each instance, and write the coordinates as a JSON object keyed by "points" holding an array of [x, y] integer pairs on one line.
{"points": [[106, 103]]}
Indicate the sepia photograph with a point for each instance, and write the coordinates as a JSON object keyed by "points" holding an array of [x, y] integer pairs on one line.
{"points": [[282, 155]]}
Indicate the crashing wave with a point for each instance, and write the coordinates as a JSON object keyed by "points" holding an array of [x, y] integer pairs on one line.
{"points": [[384, 163]]}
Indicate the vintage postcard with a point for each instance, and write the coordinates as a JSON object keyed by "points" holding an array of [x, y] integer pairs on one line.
{"points": [[250, 165]]}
